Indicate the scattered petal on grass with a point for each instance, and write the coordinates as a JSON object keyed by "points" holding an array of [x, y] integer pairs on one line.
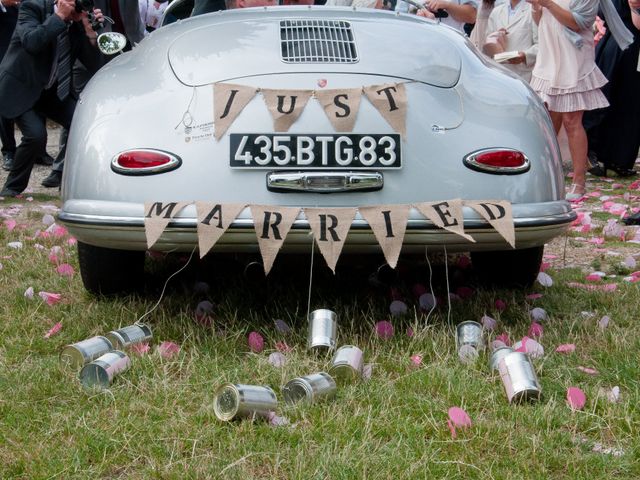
{"points": [[50, 298], [596, 240], [65, 270], [416, 360], [276, 421], [427, 301], [410, 332], [566, 348], [282, 326], [71, 241], [256, 342], [53, 330], [504, 338], [397, 308], [201, 288], [48, 219], [538, 314], [458, 418], [592, 277], [536, 330], [500, 305], [613, 395], [604, 322], [168, 349], [28, 293], [467, 354], [37, 246], [204, 310], [576, 398], [140, 349], [367, 371], [488, 323], [608, 287], [283, 347], [599, 448], [530, 347], [463, 262], [384, 329], [465, 292], [534, 296], [630, 262], [544, 279], [16, 245], [10, 223], [588, 370], [496, 344], [418, 289], [277, 359]]}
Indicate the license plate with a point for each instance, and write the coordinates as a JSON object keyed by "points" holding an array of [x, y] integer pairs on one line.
{"points": [[271, 150]]}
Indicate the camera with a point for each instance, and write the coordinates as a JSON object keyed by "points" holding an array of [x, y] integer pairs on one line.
{"points": [[84, 6], [440, 13]]}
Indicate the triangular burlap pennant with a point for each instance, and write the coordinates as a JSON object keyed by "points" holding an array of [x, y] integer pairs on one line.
{"points": [[390, 100], [341, 106], [157, 216], [330, 227], [498, 214], [285, 106], [447, 215], [272, 225], [213, 221], [228, 101], [388, 223]]}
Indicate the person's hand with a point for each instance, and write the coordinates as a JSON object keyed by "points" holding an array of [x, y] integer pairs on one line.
{"points": [[98, 16], [521, 58], [435, 5], [634, 4], [66, 9], [157, 5], [11, 3], [423, 12]]}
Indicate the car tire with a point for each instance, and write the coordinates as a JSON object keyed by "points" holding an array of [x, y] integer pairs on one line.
{"points": [[107, 271], [508, 268]]}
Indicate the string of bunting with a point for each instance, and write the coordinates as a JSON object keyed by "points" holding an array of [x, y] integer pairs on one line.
{"points": [[330, 226]]}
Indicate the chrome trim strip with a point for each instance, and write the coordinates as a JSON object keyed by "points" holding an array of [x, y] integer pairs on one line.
{"points": [[174, 162], [324, 182], [470, 162]]}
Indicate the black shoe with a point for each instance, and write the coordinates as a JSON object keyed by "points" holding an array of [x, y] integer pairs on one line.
{"points": [[53, 180], [598, 171], [632, 219], [45, 159], [8, 193], [7, 162], [624, 172]]}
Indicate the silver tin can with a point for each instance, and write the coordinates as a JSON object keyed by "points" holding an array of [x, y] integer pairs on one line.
{"points": [[497, 355], [127, 336], [323, 326], [519, 378], [241, 401], [100, 372], [310, 388], [469, 333], [346, 365], [79, 354]]}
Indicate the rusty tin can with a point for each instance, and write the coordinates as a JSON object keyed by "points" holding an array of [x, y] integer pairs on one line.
{"points": [[497, 355], [347, 363], [469, 333], [101, 372], [323, 326], [79, 354], [519, 377], [310, 388], [126, 336], [235, 400]]}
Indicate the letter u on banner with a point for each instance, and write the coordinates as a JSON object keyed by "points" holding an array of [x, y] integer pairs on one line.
{"points": [[285, 106], [157, 216], [272, 224], [228, 101], [213, 221], [330, 227]]}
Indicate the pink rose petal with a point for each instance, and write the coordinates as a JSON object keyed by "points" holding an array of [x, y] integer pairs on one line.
{"points": [[604, 322], [488, 323], [71, 241], [397, 308], [416, 360], [410, 332], [53, 330], [140, 349], [384, 329], [538, 314], [500, 305], [277, 359], [367, 371], [534, 296], [283, 347], [463, 262], [10, 224], [418, 289], [276, 421], [28, 293], [458, 418], [613, 395], [465, 292], [535, 330], [282, 327], [592, 277], [65, 270], [256, 342], [50, 298], [48, 219], [566, 348], [588, 370], [504, 338], [576, 398], [427, 301], [168, 349], [322, 82], [544, 279]]}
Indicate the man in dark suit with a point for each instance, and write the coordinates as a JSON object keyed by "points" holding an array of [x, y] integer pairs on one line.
{"points": [[8, 20], [35, 77]]}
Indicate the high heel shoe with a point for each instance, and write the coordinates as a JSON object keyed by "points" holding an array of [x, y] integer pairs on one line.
{"points": [[576, 193]]}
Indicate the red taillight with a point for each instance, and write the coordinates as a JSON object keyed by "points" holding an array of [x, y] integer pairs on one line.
{"points": [[498, 160], [144, 162]]}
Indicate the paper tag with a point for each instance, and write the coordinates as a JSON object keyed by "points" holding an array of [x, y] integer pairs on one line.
{"points": [[438, 129]]}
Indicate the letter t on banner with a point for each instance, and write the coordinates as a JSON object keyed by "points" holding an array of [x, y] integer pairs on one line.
{"points": [[390, 100], [272, 225], [389, 223], [157, 216]]}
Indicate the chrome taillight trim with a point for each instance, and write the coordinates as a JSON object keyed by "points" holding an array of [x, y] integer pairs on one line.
{"points": [[173, 163], [470, 162]]}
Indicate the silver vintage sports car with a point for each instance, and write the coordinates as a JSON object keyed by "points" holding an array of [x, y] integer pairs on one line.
{"points": [[393, 111]]}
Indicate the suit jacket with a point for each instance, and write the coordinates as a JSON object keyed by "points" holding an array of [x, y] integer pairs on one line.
{"points": [[26, 67], [8, 22], [522, 37]]}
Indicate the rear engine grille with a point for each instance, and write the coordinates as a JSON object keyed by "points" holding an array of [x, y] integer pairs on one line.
{"points": [[317, 41]]}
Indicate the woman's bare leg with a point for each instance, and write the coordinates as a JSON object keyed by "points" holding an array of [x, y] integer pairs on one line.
{"points": [[577, 137], [556, 119]]}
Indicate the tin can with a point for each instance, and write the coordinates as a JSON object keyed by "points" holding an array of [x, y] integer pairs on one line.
{"points": [[497, 355], [241, 401], [519, 378], [469, 333], [311, 388], [79, 354], [127, 336], [323, 327], [100, 372], [346, 365]]}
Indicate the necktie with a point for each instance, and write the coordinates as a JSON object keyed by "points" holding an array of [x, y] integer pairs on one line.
{"points": [[64, 65]]}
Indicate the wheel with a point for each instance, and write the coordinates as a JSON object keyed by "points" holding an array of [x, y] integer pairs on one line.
{"points": [[106, 271], [508, 268]]}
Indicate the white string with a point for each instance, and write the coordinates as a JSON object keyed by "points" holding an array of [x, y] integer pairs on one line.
{"points": [[165, 286], [433, 297], [310, 275], [446, 273]]}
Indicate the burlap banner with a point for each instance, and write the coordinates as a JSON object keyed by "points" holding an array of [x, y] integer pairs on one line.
{"points": [[285, 106], [228, 102], [330, 227], [213, 221], [272, 225], [498, 214], [341, 106], [157, 216], [388, 223], [391, 101], [447, 215]]}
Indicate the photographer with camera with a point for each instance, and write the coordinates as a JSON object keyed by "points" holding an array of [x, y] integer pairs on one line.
{"points": [[454, 13], [36, 80]]}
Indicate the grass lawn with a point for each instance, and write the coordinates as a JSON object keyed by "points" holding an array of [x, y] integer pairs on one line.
{"points": [[157, 420]]}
